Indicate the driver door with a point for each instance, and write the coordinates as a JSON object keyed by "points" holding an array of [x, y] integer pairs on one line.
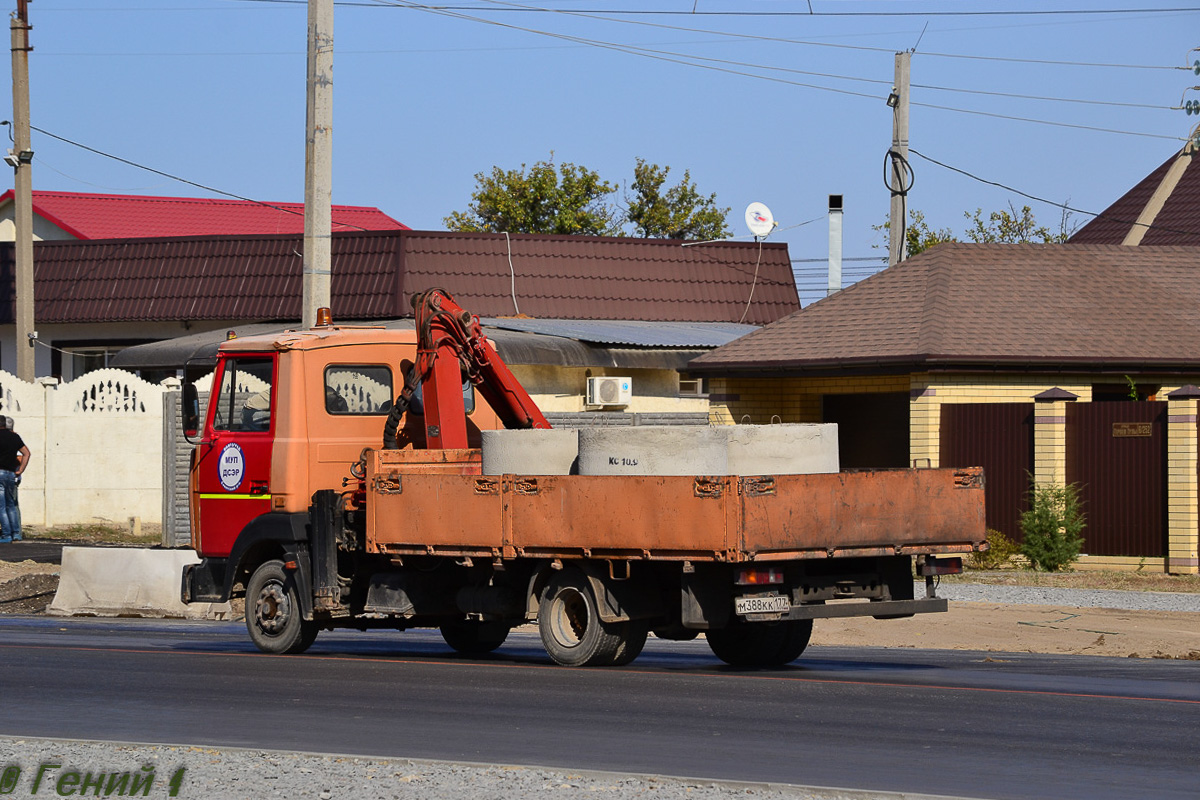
{"points": [[234, 457]]}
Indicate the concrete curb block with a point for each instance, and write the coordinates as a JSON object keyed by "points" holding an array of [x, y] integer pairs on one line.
{"points": [[532, 451], [784, 449], [127, 582]]}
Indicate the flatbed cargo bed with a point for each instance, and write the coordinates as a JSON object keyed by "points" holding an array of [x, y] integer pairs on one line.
{"points": [[436, 503]]}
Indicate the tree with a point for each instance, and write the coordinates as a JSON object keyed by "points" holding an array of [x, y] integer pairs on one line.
{"points": [[680, 212], [918, 236], [566, 200], [1053, 526], [1014, 226], [1011, 226], [571, 199]]}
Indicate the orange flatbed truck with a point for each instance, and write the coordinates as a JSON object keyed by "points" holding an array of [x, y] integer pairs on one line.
{"points": [[297, 506]]}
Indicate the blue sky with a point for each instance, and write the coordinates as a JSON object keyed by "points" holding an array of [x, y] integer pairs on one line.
{"points": [[213, 91]]}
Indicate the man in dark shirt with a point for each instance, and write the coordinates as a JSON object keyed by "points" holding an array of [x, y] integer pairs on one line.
{"points": [[14, 457]]}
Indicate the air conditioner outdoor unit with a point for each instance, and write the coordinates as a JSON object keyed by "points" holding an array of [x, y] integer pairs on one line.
{"points": [[609, 391]]}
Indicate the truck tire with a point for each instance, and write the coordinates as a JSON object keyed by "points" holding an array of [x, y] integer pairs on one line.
{"points": [[760, 644], [474, 638], [633, 638], [273, 615], [572, 631]]}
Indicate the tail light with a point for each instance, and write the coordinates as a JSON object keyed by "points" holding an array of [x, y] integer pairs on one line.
{"points": [[759, 576], [939, 566]]}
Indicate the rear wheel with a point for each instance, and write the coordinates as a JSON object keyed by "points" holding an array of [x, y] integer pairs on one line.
{"points": [[633, 638], [273, 616], [474, 638], [760, 644], [572, 631]]}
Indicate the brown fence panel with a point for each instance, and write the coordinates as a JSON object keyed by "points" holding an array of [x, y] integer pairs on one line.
{"points": [[999, 438], [1117, 453]]}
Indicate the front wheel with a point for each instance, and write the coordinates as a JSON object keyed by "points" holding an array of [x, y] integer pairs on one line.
{"points": [[273, 616]]}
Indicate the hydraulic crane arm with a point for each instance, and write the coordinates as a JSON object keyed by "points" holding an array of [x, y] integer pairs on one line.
{"points": [[451, 346]]}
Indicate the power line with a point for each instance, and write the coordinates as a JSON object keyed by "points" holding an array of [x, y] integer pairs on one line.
{"points": [[810, 13], [497, 5], [1063, 206], [176, 177], [1050, 122], [823, 260], [688, 60]]}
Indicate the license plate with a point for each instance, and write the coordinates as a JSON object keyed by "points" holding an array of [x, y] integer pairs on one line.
{"points": [[769, 604]]}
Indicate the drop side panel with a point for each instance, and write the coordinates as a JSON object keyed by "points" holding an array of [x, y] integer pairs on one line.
{"points": [[877, 512]]}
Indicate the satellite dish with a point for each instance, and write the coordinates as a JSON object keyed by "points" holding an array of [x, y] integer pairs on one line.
{"points": [[759, 219]]}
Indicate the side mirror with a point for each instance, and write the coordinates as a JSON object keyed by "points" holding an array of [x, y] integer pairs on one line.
{"points": [[189, 409]]}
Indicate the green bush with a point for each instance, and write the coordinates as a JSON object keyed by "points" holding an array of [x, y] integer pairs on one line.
{"points": [[1000, 551], [1053, 526]]}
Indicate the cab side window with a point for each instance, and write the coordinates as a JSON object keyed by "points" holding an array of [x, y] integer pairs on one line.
{"points": [[244, 397], [358, 389]]}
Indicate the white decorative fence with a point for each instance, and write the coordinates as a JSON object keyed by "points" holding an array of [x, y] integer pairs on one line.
{"points": [[96, 446]]}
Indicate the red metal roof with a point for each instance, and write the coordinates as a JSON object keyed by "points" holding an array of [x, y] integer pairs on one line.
{"points": [[258, 278], [112, 216]]}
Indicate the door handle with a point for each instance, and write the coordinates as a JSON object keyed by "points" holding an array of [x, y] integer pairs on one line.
{"points": [[258, 487]]}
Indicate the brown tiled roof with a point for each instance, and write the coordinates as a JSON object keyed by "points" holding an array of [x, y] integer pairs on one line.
{"points": [[1014, 306], [375, 273], [1177, 223]]}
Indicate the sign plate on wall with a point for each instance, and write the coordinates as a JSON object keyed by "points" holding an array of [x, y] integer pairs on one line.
{"points": [[1123, 430]]}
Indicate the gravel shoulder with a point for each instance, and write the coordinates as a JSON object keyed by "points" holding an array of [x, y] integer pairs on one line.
{"points": [[234, 773]]}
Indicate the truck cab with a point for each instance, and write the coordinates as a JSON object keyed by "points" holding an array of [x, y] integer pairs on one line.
{"points": [[289, 415]]}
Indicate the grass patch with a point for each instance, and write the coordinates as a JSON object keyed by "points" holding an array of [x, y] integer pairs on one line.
{"points": [[96, 533], [1085, 579]]}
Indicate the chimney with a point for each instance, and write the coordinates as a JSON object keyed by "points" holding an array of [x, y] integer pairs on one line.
{"points": [[835, 244]]}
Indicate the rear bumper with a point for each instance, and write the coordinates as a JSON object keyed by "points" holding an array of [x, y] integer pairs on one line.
{"points": [[883, 609]]}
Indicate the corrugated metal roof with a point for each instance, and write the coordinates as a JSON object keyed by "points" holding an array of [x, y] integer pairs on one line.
{"points": [[994, 306], [515, 347], [112, 216], [631, 332], [258, 278]]}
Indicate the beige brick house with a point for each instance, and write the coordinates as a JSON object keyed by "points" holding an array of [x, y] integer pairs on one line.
{"points": [[1005, 355]]}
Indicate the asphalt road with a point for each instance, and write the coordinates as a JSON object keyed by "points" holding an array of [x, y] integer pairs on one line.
{"points": [[940, 722]]}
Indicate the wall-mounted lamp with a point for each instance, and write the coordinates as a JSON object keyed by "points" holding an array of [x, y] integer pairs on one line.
{"points": [[25, 156], [893, 99]]}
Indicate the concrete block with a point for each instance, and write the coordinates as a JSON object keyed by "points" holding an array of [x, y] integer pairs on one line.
{"points": [[653, 450], [127, 582], [534, 451], [789, 449]]}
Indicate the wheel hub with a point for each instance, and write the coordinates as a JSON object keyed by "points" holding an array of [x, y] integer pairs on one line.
{"points": [[272, 608]]}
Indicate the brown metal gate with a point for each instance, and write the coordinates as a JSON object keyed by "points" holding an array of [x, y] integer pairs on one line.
{"points": [[999, 438], [1117, 453]]}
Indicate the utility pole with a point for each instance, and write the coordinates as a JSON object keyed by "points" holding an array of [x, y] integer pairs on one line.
{"points": [[318, 170], [898, 159], [21, 159]]}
